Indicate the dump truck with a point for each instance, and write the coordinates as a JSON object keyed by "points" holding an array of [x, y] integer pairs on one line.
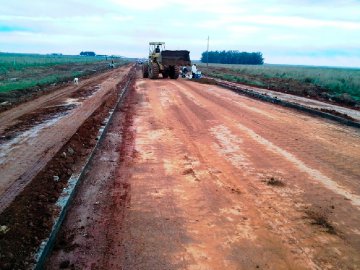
{"points": [[164, 62]]}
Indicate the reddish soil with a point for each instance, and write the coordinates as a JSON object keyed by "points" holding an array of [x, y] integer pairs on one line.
{"points": [[106, 192], [30, 216], [27, 121], [31, 139], [193, 176]]}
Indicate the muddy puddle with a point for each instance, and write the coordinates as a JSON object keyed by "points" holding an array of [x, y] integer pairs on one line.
{"points": [[30, 124]]}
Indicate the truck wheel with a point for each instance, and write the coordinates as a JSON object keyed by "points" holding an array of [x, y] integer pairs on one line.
{"points": [[145, 70], [174, 72], [165, 73], [154, 71]]}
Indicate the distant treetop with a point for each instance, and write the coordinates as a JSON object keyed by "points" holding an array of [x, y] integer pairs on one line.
{"points": [[233, 57], [87, 54]]}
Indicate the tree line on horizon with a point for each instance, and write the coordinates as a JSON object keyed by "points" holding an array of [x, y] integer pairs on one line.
{"points": [[86, 53], [232, 57]]}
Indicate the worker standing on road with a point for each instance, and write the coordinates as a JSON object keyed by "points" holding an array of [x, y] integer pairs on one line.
{"points": [[193, 70]]}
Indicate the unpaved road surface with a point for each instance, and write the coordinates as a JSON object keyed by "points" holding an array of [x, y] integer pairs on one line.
{"points": [[193, 176], [34, 131]]}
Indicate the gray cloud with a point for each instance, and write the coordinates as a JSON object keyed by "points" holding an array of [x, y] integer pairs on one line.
{"points": [[280, 29]]}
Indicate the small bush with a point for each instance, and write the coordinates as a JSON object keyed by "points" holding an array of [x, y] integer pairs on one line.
{"points": [[320, 219]]}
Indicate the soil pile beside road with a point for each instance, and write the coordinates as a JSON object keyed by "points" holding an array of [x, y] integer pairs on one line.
{"points": [[29, 218]]}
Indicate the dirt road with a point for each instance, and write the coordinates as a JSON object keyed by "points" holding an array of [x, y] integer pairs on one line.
{"points": [[194, 176], [34, 131]]}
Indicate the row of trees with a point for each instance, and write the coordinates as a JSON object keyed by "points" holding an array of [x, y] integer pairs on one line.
{"points": [[233, 57]]}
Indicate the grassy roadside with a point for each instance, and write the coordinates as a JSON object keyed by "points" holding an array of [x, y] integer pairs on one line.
{"points": [[325, 83], [24, 71]]}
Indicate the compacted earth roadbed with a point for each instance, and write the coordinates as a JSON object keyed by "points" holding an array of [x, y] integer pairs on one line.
{"points": [[43, 143], [187, 176], [193, 176]]}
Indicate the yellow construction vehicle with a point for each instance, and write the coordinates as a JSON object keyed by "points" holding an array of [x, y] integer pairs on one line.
{"points": [[164, 62]]}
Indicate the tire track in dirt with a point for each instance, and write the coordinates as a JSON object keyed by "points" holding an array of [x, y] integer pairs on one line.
{"points": [[26, 154], [318, 200], [220, 181], [331, 149]]}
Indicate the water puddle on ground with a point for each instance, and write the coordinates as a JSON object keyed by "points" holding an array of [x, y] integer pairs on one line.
{"points": [[36, 119], [30, 125], [71, 101], [16, 142]]}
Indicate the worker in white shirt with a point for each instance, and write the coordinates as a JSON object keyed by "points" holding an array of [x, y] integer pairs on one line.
{"points": [[193, 70]]}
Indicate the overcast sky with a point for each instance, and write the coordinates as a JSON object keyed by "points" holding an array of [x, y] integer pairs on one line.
{"points": [[285, 31]]}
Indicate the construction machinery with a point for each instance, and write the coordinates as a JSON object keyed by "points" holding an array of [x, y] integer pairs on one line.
{"points": [[164, 62]]}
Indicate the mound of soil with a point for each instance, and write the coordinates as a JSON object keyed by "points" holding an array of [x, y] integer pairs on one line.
{"points": [[30, 216], [206, 81]]}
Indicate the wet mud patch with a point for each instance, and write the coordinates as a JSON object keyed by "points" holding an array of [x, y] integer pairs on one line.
{"points": [[30, 216], [86, 91], [30, 120]]}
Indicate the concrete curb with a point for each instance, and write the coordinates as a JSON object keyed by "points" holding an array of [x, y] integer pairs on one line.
{"points": [[69, 192], [288, 104]]}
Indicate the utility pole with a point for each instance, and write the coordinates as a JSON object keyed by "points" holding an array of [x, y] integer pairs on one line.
{"points": [[207, 53]]}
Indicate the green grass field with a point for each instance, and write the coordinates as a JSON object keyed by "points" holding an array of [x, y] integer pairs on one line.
{"points": [[334, 81], [24, 71]]}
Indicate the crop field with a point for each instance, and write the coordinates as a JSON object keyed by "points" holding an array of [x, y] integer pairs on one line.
{"points": [[339, 84], [24, 71]]}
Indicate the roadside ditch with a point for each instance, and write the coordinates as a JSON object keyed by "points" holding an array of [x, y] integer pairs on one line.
{"points": [[29, 220]]}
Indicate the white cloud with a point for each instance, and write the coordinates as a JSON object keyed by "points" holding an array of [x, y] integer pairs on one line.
{"points": [[126, 27], [280, 21], [142, 4], [172, 6]]}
